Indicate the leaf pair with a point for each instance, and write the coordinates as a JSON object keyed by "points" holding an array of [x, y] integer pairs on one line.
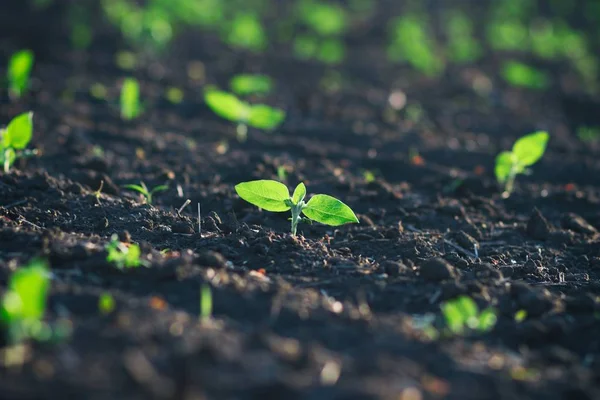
{"points": [[124, 256], [230, 107], [525, 152], [463, 313], [144, 191], [274, 196], [15, 138]]}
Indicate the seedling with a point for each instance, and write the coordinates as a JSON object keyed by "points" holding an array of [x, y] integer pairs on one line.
{"points": [[106, 303], [525, 152], [19, 71], [274, 196], [15, 138], [462, 314], [124, 256], [520, 316], [522, 75], [206, 303], [130, 99], [247, 84], [24, 304], [148, 194], [230, 107]]}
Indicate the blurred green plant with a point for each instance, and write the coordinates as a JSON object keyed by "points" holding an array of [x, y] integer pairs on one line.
{"points": [[230, 107], [24, 304], [124, 256], [463, 47], [206, 303], [131, 107], [526, 151], [323, 18], [411, 41], [588, 134], [247, 32], [19, 72], [462, 314], [522, 75], [106, 303], [248, 84], [14, 139]]}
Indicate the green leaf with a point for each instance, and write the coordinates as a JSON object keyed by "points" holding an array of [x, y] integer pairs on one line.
{"points": [[132, 257], [160, 188], [26, 298], [299, 193], [19, 131], [19, 69], [487, 319], [137, 188], [130, 99], [266, 194], [504, 165], [246, 84], [530, 148], [227, 105], [329, 211], [106, 303], [520, 315], [469, 310], [265, 117], [453, 316]]}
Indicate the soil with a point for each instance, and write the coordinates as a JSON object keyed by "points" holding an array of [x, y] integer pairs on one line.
{"points": [[333, 312]]}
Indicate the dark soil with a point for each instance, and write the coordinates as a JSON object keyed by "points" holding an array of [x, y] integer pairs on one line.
{"points": [[330, 313]]}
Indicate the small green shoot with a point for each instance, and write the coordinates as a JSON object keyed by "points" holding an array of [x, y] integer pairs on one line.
{"points": [[14, 139], [522, 75], [19, 71], [124, 256], [369, 176], [130, 99], [462, 314], [248, 84], [520, 316], [588, 134], [230, 107], [274, 196], [282, 173], [525, 152], [206, 303], [24, 304], [144, 191], [106, 304]]}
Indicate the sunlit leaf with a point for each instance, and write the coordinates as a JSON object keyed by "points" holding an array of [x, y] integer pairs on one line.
{"points": [[246, 84], [299, 193], [530, 148], [18, 132], [329, 211], [265, 117], [266, 194], [227, 105], [504, 165]]}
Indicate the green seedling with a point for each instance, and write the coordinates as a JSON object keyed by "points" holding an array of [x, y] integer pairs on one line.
{"points": [[144, 191], [274, 196], [15, 138], [230, 107], [24, 304], [206, 303], [282, 173], [463, 314], [525, 152], [124, 256], [522, 75], [520, 315], [247, 32], [247, 84], [19, 71], [106, 303], [130, 99]]}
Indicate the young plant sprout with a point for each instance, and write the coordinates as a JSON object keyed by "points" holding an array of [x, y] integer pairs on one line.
{"points": [[247, 84], [143, 189], [462, 313], [206, 303], [130, 99], [525, 152], [106, 303], [230, 107], [274, 196], [19, 71], [124, 256], [15, 138], [24, 304]]}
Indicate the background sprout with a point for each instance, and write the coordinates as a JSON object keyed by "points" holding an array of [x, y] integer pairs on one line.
{"points": [[19, 71], [144, 191], [130, 99], [525, 152], [230, 107], [15, 138], [523, 75], [106, 303], [24, 304], [246, 31], [274, 196], [247, 84], [462, 314], [124, 256]]}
